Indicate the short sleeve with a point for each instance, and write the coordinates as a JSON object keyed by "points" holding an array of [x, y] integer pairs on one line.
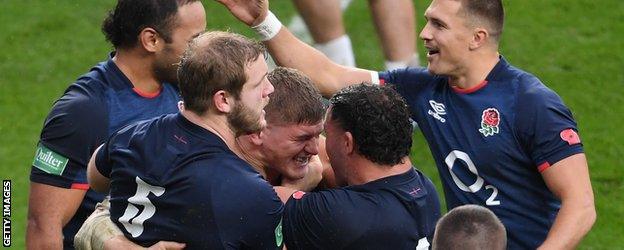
{"points": [[408, 81], [102, 160], [73, 129], [546, 127], [325, 219], [247, 212]]}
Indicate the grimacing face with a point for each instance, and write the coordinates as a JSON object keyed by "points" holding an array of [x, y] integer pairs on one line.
{"points": [[288, 148], [190, 21]]}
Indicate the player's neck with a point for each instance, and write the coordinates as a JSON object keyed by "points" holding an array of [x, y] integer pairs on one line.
{"points": [[475, 72], [251, 154], [218, 125], [365, 171], [137, 67]]}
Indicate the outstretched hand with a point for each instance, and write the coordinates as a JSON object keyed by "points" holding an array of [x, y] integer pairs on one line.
{"points": [[250, 12]]}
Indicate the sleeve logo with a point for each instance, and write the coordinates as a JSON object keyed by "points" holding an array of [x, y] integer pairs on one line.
{"points": [[570, 136], [49, 161], [279, 238], [489, 122]]}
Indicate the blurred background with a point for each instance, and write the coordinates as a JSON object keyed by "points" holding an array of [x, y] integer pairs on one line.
{"points": [[574, 47]]}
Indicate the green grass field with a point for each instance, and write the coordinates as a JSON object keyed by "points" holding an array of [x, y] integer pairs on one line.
{"points": [[575, 47]]}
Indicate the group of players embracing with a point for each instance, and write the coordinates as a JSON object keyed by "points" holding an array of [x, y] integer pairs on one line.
{"points": [[199, 146]]}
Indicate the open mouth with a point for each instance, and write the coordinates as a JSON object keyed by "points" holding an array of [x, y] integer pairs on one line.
{"points": [[302, 160], [432, 51]]}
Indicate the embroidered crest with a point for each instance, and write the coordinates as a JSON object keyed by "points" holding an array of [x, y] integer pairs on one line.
{"points": [[489, 122]]}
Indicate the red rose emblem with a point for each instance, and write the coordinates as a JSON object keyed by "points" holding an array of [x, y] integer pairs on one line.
{"points": [[491, 117]]}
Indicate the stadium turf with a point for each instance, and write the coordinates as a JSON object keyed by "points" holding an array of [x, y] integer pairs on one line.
{"points": [[575, 47]]}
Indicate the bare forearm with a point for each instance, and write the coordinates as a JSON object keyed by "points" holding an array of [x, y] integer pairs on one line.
{"points": [[329, 77], [574, 220], [43, 236]]}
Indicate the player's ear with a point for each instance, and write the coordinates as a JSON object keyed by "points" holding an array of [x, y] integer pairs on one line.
{"points": [[349, 145], [257, 138], [150, 40], [223, 101], [480, 37]]}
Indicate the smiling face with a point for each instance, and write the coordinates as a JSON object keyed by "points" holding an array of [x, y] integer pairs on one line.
{"points": [[288, 148], [447, 38]]}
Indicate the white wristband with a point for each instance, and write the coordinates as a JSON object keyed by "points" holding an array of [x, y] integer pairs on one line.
{"points": [[375, 78], [268, 28]]}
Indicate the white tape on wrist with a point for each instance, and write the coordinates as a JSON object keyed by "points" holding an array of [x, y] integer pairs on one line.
{"points": [[268, 28], [375, 78]]}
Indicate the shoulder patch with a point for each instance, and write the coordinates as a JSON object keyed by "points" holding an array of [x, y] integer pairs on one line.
{"points": [[570, 136], [49, 161]]}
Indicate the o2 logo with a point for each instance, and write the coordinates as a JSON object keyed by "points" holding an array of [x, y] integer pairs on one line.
{"points": [[478, 184]]}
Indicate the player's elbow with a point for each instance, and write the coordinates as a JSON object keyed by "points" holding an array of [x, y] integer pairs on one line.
{"points": [[585, 213], [590, 214]]}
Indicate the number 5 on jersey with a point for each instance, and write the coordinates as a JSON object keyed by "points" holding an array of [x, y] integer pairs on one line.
{"points": [[478, 184], [131, 219]]}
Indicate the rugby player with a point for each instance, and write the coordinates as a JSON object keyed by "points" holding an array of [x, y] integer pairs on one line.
{"points": [[283, 152], [386, 203], [138, 81], [397, 202], [181, 177], [470, 227], [499, 136]]}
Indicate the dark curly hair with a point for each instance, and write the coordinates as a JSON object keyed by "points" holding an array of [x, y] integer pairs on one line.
{"points": [[124, 23], [378, 119]]}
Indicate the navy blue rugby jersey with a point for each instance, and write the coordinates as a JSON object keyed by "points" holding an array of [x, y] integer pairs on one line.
{"points": [[97, 104], [396, 212], [491, 142], [173, 180]]}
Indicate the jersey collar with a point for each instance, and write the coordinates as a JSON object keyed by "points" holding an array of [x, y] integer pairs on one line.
{"points": [[494, 75]]}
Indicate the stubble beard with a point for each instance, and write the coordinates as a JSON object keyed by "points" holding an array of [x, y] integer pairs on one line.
{"points": [[243, 120]]}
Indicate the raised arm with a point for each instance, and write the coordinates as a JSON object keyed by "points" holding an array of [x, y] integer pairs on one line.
{"points": [[288, 51], [569, 180]]}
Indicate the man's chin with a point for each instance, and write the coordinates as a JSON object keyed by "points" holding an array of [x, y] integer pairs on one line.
{"points": [[298, 174]]}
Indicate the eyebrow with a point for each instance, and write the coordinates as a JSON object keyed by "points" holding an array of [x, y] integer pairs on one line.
{"points": [[259, 82], [437, 20]]}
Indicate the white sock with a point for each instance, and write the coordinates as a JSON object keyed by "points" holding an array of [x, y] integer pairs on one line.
{"points": [[338, 50], [412, 62], [344, 4]]}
